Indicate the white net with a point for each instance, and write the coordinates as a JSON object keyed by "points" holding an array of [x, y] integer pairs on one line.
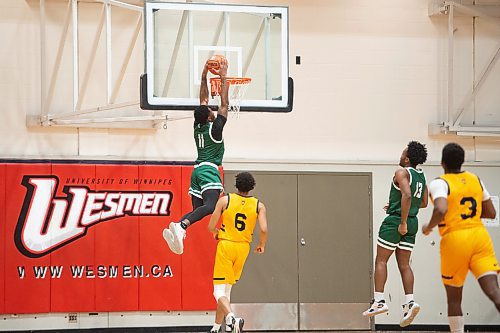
{"points": [[237, 90]]}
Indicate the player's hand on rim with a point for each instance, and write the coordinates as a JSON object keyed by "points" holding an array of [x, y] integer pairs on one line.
{"points": [[223, 68]]}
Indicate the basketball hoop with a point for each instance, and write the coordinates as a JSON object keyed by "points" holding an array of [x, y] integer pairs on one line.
{"points": [[237, 89]]}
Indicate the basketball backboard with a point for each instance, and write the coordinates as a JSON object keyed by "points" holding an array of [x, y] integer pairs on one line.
{"points": [[180, 37]]}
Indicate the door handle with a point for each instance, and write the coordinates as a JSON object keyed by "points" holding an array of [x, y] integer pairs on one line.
{"points": [[302, 242]]}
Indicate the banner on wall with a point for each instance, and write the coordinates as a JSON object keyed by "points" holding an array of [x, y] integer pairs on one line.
{"points": [[88, 237]]}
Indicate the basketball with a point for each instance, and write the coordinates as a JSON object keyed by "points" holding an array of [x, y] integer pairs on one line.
{"points": [[214, 63]]}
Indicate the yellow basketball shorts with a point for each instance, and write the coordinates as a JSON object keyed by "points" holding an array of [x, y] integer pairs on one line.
{"points": [[229, 261], [463, 250]]}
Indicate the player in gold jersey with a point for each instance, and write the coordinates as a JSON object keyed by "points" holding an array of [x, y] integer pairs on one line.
{"points": [[460, 201], [240, 212]]}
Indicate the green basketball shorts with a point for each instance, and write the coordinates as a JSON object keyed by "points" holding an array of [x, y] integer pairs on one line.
{"points": [[389, 237], [205, 177]]}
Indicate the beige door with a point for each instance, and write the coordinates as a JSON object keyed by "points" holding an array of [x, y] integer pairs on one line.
{"points": [[316, 271], [335, 251]]}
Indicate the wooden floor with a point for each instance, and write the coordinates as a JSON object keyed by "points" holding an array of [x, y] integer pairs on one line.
{"points": [[203, 329]]}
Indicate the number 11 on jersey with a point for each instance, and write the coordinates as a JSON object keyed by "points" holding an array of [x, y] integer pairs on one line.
{"points": [[201, 141]]}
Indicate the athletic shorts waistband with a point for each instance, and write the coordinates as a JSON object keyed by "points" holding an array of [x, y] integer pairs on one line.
{"points": [[213, 165], [399, 215]]}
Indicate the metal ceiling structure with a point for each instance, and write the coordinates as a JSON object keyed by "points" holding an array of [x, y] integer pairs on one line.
{"points": [[456, 111], [109, 115]]}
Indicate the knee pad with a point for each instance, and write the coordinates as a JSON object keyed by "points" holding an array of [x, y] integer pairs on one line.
{"points": [[219, 291]]}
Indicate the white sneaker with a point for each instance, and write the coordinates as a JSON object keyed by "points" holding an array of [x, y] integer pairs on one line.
{"points": [[168, 237], [178, 234], [230, 321], [410, 311], [234, 325], [376, 308], [214, 330], [238, 325]]}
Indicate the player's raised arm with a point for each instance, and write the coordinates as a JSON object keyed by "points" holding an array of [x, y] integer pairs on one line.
{"points": [[224, 91], [204, 86], [262, 218]]}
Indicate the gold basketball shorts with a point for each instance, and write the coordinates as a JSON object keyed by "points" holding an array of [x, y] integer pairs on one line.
{"points": [[463, 250], [229, 261]]}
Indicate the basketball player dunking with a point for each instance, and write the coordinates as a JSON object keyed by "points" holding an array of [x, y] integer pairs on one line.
{"points": [[206, 184]]}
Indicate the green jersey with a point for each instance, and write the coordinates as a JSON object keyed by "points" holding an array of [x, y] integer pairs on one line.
{"points": [[417, 188], [209, 149]]}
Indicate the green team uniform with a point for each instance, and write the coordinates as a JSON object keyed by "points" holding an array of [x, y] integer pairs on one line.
{"points": [[206, 175], [388, 236]]}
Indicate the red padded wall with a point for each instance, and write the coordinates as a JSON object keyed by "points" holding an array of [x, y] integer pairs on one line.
{"points": [[68, 292], [28, 294], [123, 242], [2, 237], [117, 244], [162, 292], [197, 259]]}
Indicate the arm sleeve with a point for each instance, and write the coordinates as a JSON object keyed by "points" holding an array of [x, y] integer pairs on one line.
{"points": [[218, 126], [438, 188], [486, 194]]}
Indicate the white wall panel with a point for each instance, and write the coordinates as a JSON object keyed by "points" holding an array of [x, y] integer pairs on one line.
{"points": [[373, 76]]}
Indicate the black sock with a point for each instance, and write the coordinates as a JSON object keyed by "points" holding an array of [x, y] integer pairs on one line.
{"points": [[184, 225]]}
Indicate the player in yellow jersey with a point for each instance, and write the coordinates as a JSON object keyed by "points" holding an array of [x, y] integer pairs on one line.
{"points": [[240, 212], [460, 201]]}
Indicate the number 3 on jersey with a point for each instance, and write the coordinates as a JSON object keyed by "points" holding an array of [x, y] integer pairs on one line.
{"points": [[239, 221], [472, 208]]}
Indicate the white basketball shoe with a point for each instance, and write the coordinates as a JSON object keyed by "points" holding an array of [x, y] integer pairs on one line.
{"points": [[410, 311], [174, 236], [376, 308]]}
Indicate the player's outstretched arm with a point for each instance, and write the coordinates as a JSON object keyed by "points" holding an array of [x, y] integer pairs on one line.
{"points": [[438, 213], [224, 91], [219, 208], [204, 86], [438, 192], [262, 218]]}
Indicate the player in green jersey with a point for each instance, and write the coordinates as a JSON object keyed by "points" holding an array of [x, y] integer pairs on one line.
{"points": [[206, 183], [398, 230]]}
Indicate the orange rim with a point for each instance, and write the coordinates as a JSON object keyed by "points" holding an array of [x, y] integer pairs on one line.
{"points": [[215, 83], [233, 80]]}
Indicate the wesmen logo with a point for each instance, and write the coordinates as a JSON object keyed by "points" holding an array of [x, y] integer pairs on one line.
{"points": [[47, 222]]}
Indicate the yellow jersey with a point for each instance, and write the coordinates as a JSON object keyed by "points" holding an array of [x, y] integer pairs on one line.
{"points": [[465, 197], [239, 218]]}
